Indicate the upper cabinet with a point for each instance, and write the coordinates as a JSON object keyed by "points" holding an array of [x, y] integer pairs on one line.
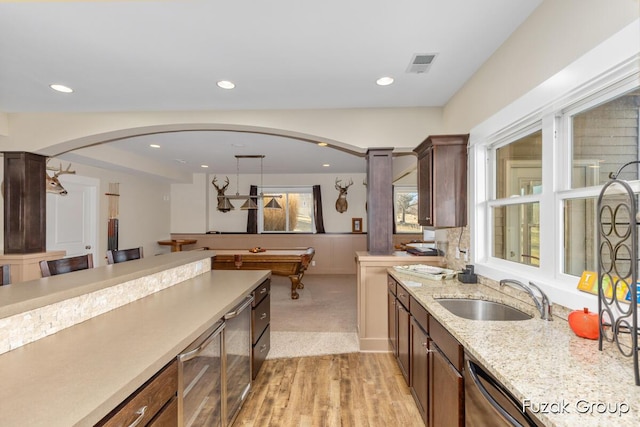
{"points": [[442, 181]]}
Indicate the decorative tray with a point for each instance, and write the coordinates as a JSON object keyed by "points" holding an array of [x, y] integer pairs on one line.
{"points": [[426, 271]]}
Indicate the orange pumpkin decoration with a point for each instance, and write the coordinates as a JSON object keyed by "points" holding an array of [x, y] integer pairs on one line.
{"points": [[584, 324]]}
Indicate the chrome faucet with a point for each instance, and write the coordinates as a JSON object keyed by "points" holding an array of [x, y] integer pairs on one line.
{"points": [[543, 304]]}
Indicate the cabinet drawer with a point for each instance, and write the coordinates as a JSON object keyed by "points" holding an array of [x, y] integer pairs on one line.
{"points": [[449, 346], [261, 292], [403, 296], [392, 285], [419, 313], [260, 351], [260, 317], [152, 396], [168, 416]]}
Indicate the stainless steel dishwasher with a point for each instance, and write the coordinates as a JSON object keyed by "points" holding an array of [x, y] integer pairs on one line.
{"points": [[488, 403], [214, 372]]}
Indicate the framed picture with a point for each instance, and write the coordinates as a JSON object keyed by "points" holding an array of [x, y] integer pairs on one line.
{"points": [[356, 225]]}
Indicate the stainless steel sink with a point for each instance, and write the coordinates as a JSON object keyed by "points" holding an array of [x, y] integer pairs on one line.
{"points": [[476, 309]]}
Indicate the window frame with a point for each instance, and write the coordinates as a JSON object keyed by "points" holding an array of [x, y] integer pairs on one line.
{"points": [[405, 189], [285, 191]]}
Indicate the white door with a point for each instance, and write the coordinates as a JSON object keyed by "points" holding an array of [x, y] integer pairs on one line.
{"points": [[72, 219]]}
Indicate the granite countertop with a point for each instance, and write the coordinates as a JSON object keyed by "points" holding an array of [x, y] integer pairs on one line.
{"points": [[78, 375], [538, 360]]}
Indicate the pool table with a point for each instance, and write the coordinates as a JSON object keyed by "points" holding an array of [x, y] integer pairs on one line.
{"points": [[292, 262]]}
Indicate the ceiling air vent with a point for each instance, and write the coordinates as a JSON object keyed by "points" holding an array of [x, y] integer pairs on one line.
{"points": [[420, 63]]}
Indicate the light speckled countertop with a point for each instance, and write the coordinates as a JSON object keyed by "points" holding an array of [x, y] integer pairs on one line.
{"points": [[539, 360], [78, 375]]}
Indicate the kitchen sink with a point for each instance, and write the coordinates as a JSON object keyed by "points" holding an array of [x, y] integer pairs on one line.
{"points": [[476, 309]]}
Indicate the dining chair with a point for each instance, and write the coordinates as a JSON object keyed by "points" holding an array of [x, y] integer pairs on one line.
{"points": [[66, 265], [5, 274], [116, 256]]}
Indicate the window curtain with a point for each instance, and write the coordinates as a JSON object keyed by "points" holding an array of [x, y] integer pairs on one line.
{"points": [[317, 209], [252, 216]]}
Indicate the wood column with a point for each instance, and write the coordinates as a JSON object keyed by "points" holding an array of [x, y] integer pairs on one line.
{"points": [[379, 201], [24, 203]]}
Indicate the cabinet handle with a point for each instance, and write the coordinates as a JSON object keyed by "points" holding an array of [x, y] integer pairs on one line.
{"points": [[263, 316], [236, 312], [263, 348], [140, 413], [263, 290], [427, 218]]}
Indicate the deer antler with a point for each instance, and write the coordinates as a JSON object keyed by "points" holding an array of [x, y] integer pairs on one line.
{"points": [[226, 184], [59, 170], [340, 187]]}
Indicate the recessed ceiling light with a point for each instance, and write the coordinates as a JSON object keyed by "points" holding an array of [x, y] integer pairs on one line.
{"points": [[226, 84], [61, 88], [326, 165], [322, 144], [384, 81], [204, 166], [154, 146]]}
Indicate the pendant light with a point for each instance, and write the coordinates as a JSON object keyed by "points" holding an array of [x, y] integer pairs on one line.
{"points": [[250, 201]]}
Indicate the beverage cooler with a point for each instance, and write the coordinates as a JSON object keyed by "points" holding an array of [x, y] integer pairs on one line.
{"points": [[214, 372]]}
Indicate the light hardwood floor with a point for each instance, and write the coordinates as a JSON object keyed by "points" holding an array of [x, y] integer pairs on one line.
{"points": [[349, 390]]}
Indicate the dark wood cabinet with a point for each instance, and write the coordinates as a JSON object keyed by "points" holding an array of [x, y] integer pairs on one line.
{"points": [[419, 367], [404, 343], [392, 320], [429, 357], [154, 403], [442, 181], [446, 390], [399, 323], [446, 400]]}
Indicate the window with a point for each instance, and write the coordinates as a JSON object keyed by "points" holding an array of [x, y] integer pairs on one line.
{"points": [[516, 225], [295, 214], [405, 203], [603, 136], [543, 179]]}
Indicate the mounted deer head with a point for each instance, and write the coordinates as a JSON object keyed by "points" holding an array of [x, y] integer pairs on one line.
{"points": [[53, 183], [221, 199], [341, 203]]}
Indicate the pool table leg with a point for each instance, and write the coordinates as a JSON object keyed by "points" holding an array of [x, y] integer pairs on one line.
{"points": [[296, 283]]}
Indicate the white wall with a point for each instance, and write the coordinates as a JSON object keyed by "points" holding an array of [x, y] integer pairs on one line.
{"points": [[144, 205], [190, 216], [557, 33]]}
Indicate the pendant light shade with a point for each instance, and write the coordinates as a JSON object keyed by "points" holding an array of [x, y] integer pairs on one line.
{"points": [[250, 201], [273, 204], [249, 204], [226, 204]]}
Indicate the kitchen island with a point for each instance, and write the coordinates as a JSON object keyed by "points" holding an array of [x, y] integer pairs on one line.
{"points": [[79, 374], [564, 378]]}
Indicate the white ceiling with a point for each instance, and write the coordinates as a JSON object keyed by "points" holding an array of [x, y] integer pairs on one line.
{"points": [[143, 55]]}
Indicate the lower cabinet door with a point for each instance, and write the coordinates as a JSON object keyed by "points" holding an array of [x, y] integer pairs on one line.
{"points": [[446, 395], [403, 341], [419, 368]]}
